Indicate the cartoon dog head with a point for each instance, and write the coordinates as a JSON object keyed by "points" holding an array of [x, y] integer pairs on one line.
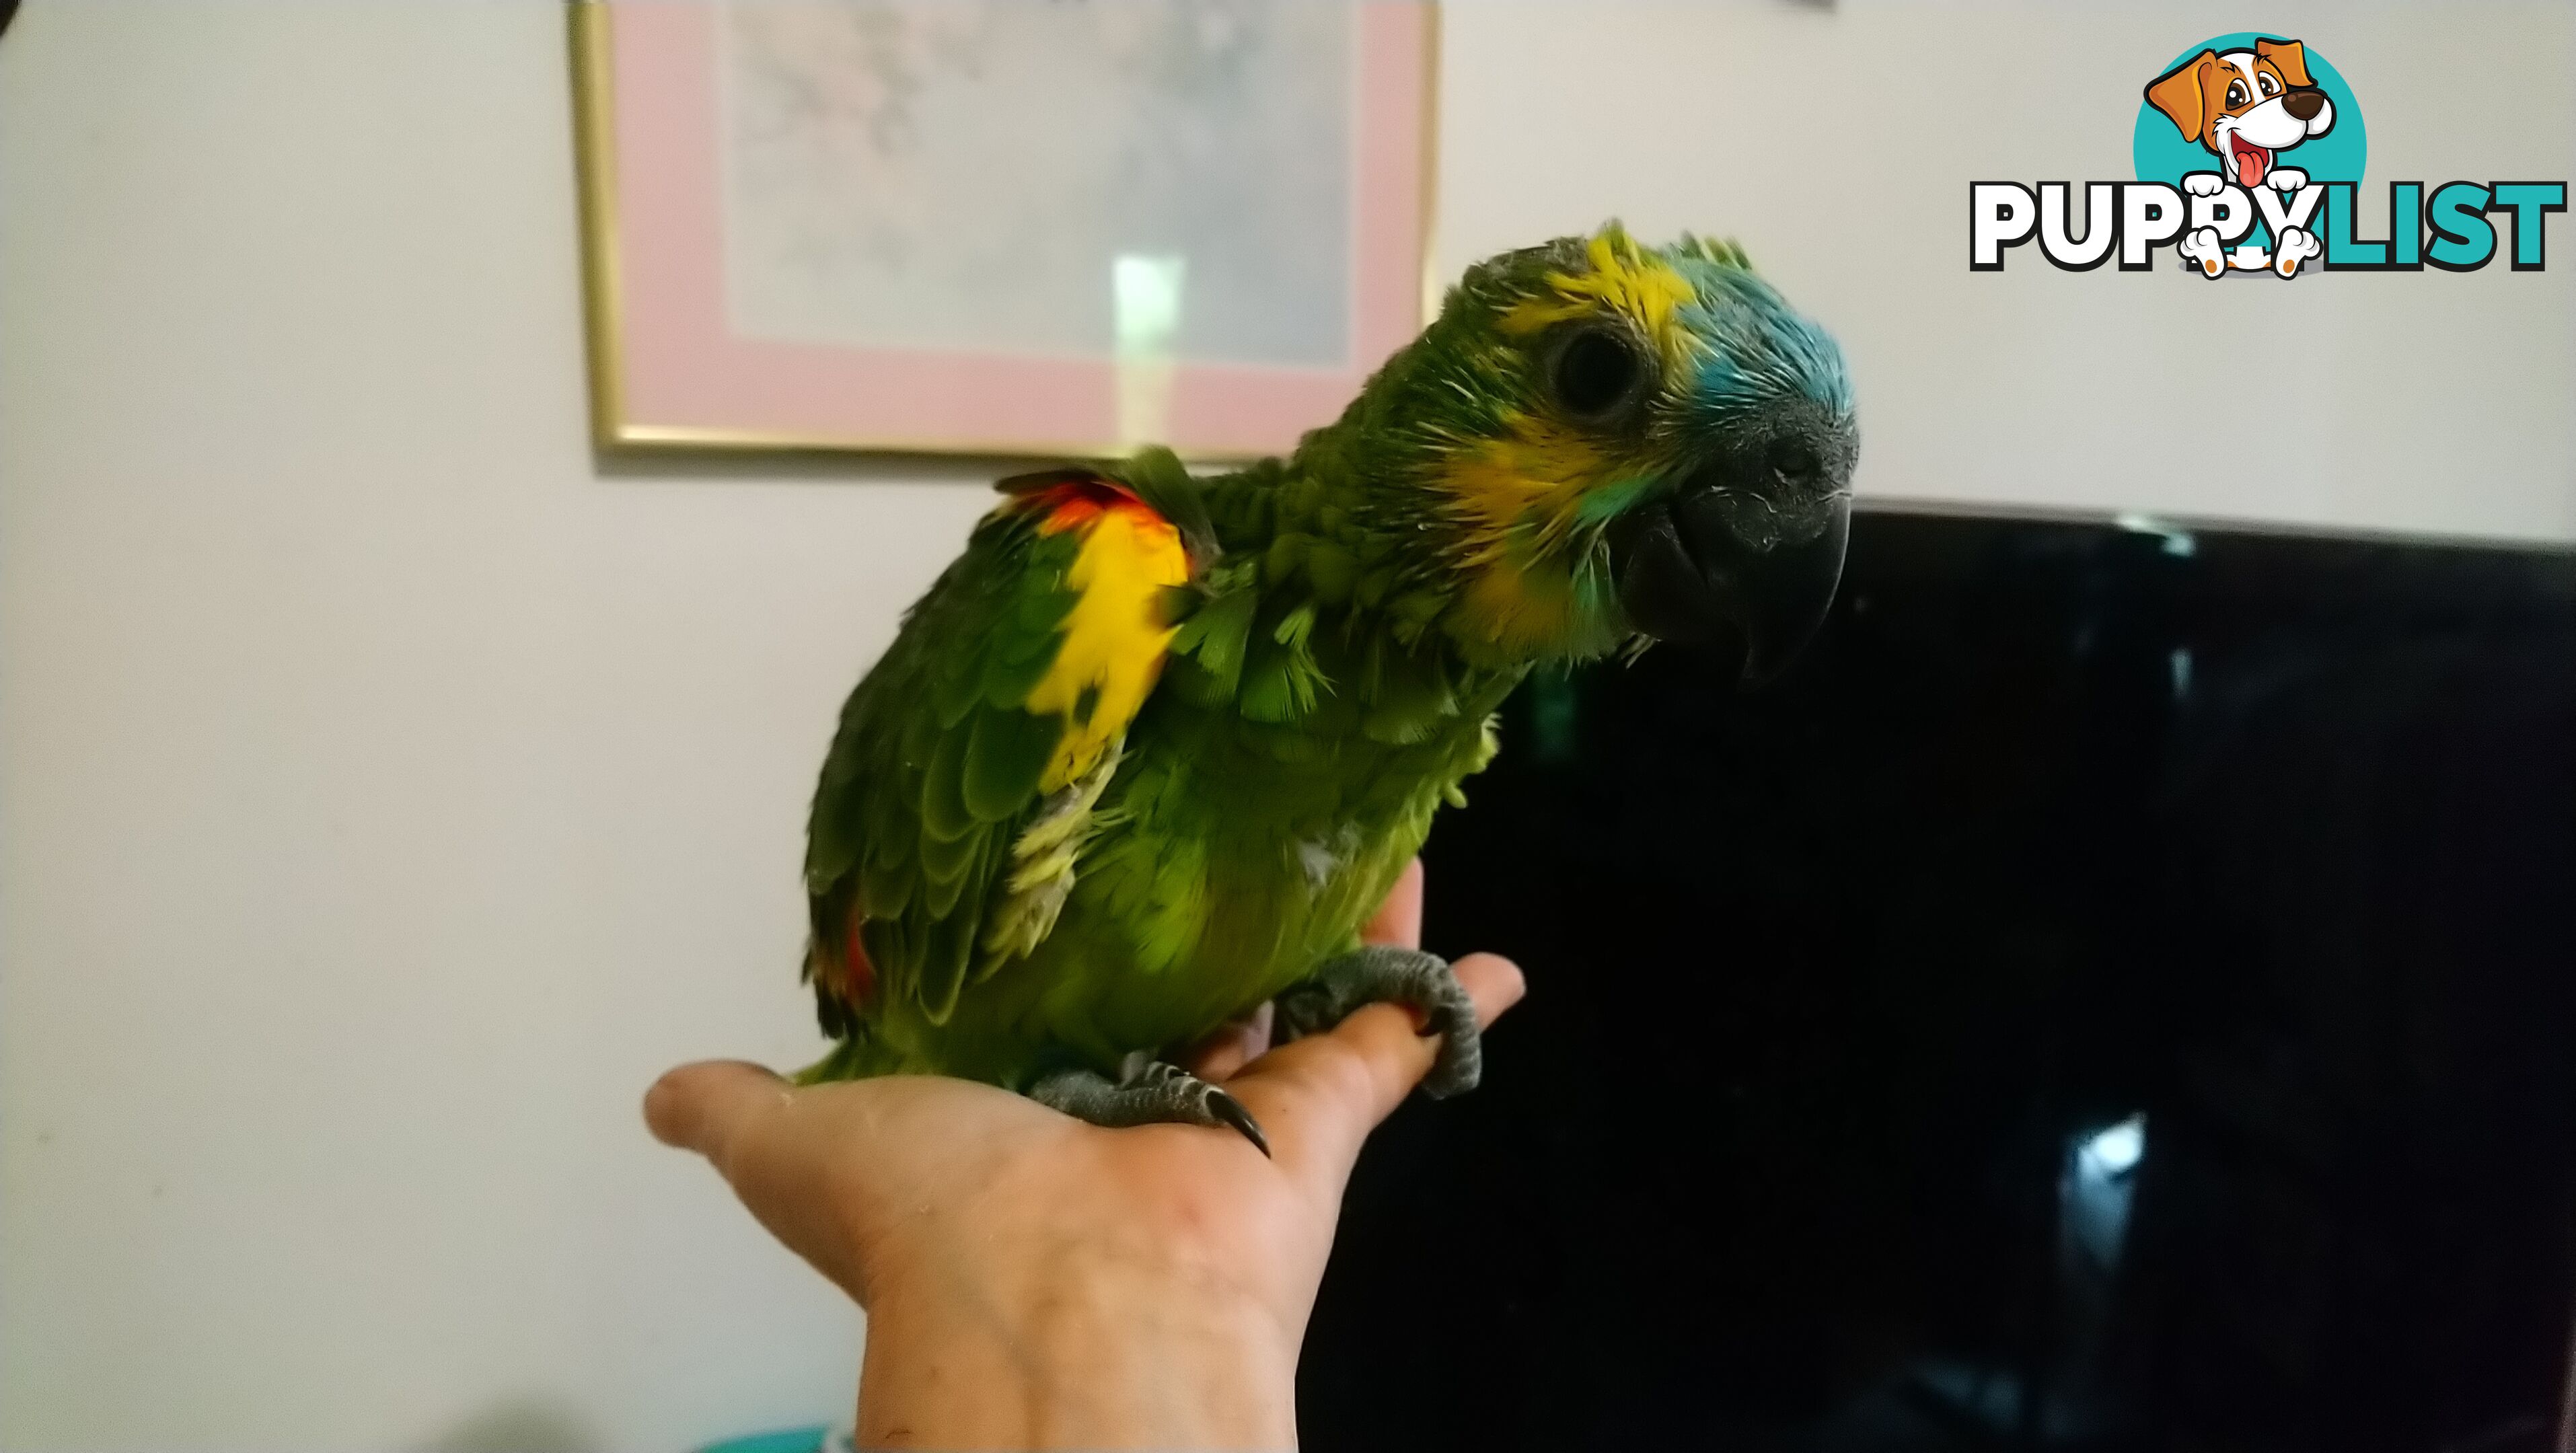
{"points": [[2245, 106]]}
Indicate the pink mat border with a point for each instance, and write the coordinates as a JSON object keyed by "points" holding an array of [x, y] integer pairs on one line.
{"points": [[685, 373]]}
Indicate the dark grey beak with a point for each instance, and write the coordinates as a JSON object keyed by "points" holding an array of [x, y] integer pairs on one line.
{"points": [[1741, 554]]}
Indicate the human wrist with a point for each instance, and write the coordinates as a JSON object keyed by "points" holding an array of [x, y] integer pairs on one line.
{"points": [[1077, 1350]]}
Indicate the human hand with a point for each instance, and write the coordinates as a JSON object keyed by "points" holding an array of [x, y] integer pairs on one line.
{"points": [[1032, 1281]]}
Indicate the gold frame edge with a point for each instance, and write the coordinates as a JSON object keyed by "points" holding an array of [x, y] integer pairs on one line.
{"points": [[590, 52]]}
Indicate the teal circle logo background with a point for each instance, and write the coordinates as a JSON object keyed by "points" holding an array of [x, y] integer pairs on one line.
{"points": [[2163, 156]]}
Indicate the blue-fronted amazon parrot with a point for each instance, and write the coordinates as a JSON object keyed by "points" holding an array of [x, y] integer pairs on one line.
{"points": [[1155, 746]]}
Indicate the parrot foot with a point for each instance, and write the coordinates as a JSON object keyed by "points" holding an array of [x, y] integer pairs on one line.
{"points": [[1148, 1092], [1382, 974]]}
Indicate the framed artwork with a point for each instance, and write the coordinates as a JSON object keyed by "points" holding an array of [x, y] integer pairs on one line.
{"points": [[1014, 227]]}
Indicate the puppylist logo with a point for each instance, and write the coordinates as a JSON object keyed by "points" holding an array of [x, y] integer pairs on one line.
{"points": [[2248, 151]]}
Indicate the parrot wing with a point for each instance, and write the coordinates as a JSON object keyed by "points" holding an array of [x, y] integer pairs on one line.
{"points": [[960, 785]]}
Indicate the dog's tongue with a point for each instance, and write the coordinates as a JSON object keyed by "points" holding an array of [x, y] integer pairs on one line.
{"points": [[2249, 167]]}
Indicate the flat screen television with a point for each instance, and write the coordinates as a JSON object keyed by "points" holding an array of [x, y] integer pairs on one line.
{"points": [[2116, 991]]}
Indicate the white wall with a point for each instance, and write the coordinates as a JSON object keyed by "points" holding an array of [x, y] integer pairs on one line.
{"points": [[386, 793], [385, 796]]}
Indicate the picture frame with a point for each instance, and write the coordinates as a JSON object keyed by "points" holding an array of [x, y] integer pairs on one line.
{"points": [[845, 226]]}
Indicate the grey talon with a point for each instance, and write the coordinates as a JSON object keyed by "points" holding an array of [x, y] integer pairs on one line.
{"points": [[1381, 974], [1147, 1092]]}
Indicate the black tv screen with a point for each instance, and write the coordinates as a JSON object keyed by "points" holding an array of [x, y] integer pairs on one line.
{"points": [[2116, 991]]}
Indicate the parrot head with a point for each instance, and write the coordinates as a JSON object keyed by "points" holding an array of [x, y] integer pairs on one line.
{"points": [[1613, 444]]}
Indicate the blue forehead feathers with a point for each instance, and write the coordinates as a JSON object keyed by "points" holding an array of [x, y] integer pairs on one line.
{"points": [[1761, 347]]}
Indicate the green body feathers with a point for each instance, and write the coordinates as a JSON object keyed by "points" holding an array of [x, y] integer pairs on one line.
{"points": [[1248, 819], [1155, 747]]}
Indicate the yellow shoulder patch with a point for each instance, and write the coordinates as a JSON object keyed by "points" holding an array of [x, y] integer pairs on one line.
{"points": [[1114, 637]]}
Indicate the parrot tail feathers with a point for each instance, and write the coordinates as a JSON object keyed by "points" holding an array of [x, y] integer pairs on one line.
{"points": [[843, 982]]}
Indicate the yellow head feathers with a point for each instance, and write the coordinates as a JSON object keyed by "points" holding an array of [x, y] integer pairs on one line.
{"points": [[1623, 277]]}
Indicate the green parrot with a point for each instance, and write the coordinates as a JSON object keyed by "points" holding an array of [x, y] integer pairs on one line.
{"points": [[1152, 750]]}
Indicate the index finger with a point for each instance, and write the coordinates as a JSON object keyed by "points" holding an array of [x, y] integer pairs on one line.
{"points": [[1319, 1097]]}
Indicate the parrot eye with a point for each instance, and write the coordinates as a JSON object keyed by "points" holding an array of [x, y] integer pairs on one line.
{"points": [[1596, 371]]}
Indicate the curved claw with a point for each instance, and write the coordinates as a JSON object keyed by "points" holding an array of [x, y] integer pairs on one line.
{"points": [[1152, 1092], [1382, 974], [1230, 1110]]}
